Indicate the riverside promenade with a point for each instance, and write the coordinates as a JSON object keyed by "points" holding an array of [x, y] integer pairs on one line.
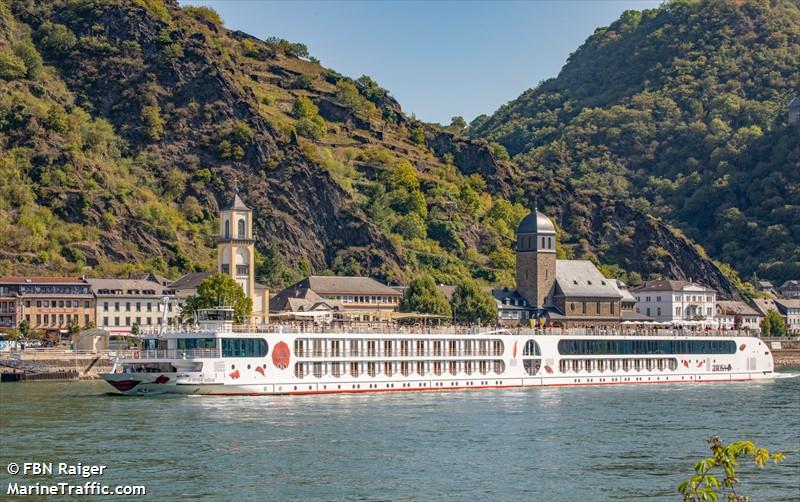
{"points": [[53, 364]]}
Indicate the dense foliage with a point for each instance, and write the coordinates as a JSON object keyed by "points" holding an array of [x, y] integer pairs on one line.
{"points": [[149, 114], [423, 297], [773, 324], [124, 125], [682, 110], [707, 486], [473, 305], [219, 290]]}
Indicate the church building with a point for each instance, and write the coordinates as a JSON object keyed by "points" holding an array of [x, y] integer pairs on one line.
{"points": [[236, 255], [561, 292]]}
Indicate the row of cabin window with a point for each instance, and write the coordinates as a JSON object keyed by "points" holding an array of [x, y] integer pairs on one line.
{"points": [[372, 348], [390, 368], [635, 347], [589, 365]]}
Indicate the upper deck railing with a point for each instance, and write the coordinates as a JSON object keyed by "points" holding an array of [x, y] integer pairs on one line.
{"points": [[452, 330]]}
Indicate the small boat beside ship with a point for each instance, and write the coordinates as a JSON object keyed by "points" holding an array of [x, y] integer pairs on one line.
{"points": [[218, 357]]}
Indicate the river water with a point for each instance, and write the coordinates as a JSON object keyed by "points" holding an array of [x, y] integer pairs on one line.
{"points": [[632, 443]]}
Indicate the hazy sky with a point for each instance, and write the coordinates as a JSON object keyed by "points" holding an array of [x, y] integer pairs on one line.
{"points": [[437, 58]]}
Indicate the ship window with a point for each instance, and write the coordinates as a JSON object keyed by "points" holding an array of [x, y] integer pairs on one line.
{"points": [[531, 349], [645, 347], [195, 343], [244, 347]]}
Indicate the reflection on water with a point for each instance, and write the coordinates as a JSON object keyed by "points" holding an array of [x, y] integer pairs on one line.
{"points": [[567, 444]]}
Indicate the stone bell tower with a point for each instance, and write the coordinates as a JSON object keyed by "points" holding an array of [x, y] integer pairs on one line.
{"points": [[235, 250], [536, 258]]}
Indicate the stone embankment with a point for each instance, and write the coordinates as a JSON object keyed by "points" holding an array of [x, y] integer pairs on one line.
{"points": [[52, 364], [785, 353]]}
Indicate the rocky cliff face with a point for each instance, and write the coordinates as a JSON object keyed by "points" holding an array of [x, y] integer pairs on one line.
{"points": [[168, 113]]}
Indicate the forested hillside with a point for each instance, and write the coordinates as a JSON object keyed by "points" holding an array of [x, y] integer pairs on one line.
{"points": [[124, 124], [681, 110]]}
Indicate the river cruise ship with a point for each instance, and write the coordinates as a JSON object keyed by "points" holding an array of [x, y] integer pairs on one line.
{"points": [[216, 357]]}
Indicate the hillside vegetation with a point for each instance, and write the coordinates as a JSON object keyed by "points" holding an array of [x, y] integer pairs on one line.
{"points": [[124, 125], [681, 110]]}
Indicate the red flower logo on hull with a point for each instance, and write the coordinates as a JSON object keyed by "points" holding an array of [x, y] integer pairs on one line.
{"points": [[281, 355], [162, 379], [259, 369], [124, 385], [234, 374], [514, 352]]}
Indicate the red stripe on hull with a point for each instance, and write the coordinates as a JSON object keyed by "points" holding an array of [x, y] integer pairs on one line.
{"points": [[439, 389]]}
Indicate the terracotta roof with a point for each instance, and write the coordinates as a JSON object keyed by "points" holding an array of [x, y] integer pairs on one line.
{"points": [[42, 280]]}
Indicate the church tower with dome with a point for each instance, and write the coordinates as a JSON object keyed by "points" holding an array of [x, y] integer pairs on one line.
{"points": [[536, 259]]}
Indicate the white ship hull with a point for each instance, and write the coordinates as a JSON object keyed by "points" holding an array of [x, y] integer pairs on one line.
{"points": [[324, 363]]}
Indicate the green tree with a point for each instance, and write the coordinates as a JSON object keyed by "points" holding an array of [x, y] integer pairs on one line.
{"points": [[24, 328], [11, 66], [773, 324], [314, 128], [705, 485], [153, 123], [57, 38], [135, 328], [422, 296], [31, 57], [458, 125], [473, 305], [304, 108], [411, 226], [270, 268], [418, 135], [220, 290], [57, 119], [404, 175], [242, 134], [73, 327]]}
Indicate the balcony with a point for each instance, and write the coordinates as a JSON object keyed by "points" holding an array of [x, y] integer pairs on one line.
{"points": [[235, 240]]}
